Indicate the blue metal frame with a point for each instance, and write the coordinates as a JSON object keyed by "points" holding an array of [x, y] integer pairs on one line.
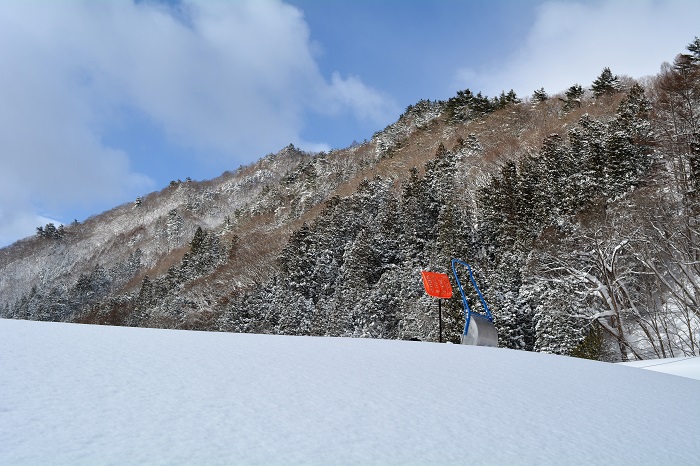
{"points": [[468, 310]]}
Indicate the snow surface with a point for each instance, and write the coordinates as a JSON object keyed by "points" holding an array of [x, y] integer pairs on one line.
{"points": [[78, 394], [685, 367]]}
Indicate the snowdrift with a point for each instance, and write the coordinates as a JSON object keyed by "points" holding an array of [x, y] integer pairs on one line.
{"points": [[79, 394]]}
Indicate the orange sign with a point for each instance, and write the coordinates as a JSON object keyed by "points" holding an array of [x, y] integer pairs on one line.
{"points": [[437, 284]]}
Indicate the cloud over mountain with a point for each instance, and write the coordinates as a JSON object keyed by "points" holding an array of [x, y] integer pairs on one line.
{"points": [[573, 41], [230, 79]]}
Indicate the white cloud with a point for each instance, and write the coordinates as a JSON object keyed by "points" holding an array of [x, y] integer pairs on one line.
{"points": [[21, 224], [571, 42], [365, 102], [234, 78]]}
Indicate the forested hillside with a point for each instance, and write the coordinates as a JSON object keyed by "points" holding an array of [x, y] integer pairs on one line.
{"points": [[579, 213]]}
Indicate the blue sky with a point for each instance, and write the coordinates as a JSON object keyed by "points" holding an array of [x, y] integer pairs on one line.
{"points": [[106, 101]]}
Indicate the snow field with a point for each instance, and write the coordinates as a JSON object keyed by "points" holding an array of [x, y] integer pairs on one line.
{"points": [[78, 394]]}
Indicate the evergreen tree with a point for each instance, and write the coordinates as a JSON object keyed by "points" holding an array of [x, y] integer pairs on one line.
{"points": [[513, 317], [481, 105], [174, 225], [361, 270], [592, 346], [504, 100], [295, 313], [50, 230], [574, 94], [418, 212], [588, 152], [606, 84], [555, 330], [206, 253], [454, 238], [694, 49], [297, 261], [144, 302], [512, 98], [539, 96], [459, 107], [361, 263], [629, 143], [197, 243], [532, 201], [499, 219], [379, 316], [467, 106], [694, 162], [676, 118], [555, 170]]}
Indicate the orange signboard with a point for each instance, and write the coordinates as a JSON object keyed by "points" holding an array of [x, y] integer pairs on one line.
{"points": [[437, 284]]}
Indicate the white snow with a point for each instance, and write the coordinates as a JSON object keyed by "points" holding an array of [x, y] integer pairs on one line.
{"points": [[79, 394], [684, 367]]}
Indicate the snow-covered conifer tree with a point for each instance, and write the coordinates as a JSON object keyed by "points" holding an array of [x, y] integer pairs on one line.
{"points": [[539, 96], [605, 84]]}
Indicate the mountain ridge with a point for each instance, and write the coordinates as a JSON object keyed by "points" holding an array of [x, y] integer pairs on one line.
{"points": [[332, 243]]}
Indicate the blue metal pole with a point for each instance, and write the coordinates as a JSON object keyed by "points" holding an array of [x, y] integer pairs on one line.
{"points": [[467, 310], [478, 292]]}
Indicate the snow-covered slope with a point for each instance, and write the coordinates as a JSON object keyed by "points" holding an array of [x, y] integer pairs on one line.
{"points": [[72, 394], [684, 366]]}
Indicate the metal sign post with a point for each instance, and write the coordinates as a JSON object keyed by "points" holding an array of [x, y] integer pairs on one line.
{"points": [[438, 286], [440, 318]]}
